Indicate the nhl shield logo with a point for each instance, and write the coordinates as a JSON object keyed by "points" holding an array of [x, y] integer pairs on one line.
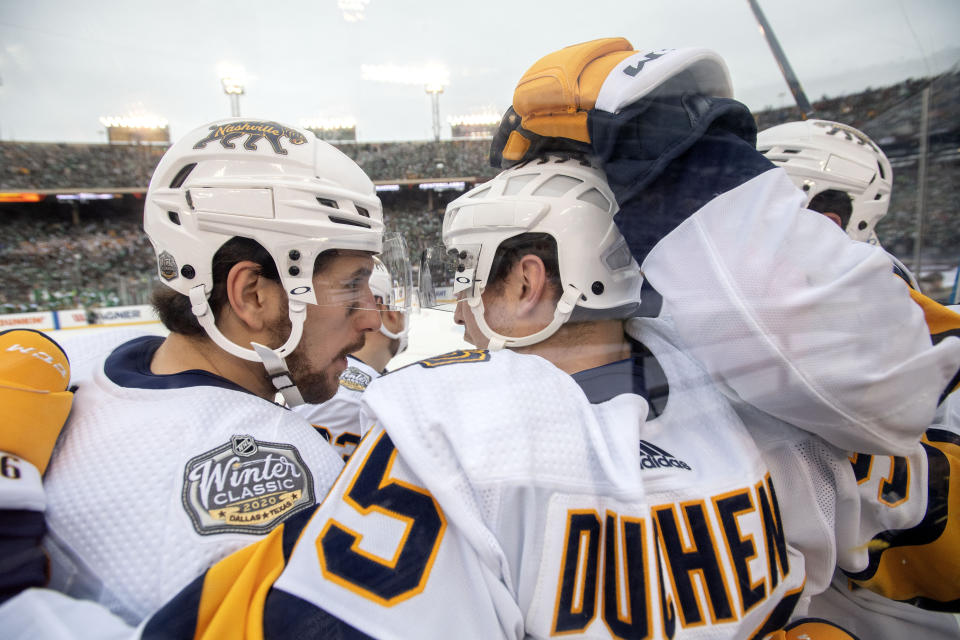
{"points": [[168, 265], [244, 446]]}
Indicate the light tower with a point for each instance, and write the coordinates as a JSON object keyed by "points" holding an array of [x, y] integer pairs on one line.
{"points": [[434, 89], [232, 81], [432, 77]]}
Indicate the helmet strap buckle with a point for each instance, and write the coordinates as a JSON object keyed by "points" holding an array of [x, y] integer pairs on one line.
{"points": [[279, 374]]}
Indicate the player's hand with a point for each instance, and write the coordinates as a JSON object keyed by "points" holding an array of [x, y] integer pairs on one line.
{"points": [[553, 99], [34, 395]]}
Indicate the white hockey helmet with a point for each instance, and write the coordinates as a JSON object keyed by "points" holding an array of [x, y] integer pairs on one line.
{"points": [[392, 293], [569, 200], [820, 155], [294, 194]]}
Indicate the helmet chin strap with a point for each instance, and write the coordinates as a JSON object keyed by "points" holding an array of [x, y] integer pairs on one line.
{"points": [[497, 341], [390, 334], [273, 359], [400, 335]]}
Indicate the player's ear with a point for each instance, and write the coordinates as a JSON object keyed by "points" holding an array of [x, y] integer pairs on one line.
{"points": [[533, 285], [392, 320], [253, 299]]}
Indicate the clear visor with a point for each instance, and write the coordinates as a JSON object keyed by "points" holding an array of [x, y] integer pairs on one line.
{"points": [[344, 281], [395, 257], [448, 275]]}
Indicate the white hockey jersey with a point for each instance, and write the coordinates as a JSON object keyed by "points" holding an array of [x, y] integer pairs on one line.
{"points": [[565, 516], [799, 321], [915, 565], [521, 508], [338, 419], [156, 477], [535, 498]]}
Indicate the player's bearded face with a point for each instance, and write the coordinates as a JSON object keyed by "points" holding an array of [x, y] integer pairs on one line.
{"points": [[333, 328], [318, 385]]}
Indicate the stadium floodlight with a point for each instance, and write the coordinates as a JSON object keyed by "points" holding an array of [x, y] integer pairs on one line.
{"points": [[232, 79], [432, 77], [332, 129], [136, 128], [481, 124], [353, 10]]}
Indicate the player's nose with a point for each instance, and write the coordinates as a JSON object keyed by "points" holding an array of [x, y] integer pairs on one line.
{"points": [[367, 319], [458, 313]]}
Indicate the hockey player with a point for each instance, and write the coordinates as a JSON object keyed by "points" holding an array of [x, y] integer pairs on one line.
{"points": [[846, 177], [576, 103], [175, 454], [497, 497], [338, 419], [606, 488], [35, 397]]}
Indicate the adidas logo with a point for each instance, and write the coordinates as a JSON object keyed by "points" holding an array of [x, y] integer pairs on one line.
{"points": [[653, 457]]}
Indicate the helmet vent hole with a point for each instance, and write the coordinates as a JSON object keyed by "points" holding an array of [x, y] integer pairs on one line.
{"points": [[556, 186], [353, 223], [862, 225], [327, 202], [174, 217], [181, 176], [791, 151], [516, 184], [883, 176], [481, 193], [878, 197], [618, 256], [595, 198], [362, 211]]}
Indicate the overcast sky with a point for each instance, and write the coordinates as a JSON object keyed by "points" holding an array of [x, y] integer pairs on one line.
{"points": [[64, 64]]}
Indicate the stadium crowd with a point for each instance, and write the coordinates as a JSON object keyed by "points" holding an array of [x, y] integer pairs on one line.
{"points": [[32, 165], [418, 160], [50, 262], [54, 265], [890, 115], [90, 166]]}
